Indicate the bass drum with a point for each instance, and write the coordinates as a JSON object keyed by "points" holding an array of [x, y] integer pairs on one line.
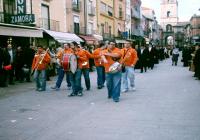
{"points": [[69, 62], [73, 63]]}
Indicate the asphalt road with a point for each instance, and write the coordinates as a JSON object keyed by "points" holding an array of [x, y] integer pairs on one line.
{"points": [[164, 106]]}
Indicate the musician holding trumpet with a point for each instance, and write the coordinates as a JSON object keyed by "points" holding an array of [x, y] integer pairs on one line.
{"points": [[39, 66]]}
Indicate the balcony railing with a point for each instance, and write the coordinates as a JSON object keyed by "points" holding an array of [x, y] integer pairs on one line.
{"points": [[108, 35], [76, 6], [49, 24], [91, 10], [86, 31], [135, 13]]}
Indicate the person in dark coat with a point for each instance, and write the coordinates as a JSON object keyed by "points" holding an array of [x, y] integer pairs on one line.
{"points": [[29, 54], [197, 62], [12, 58], [143, 55], [152, 56], [4, 61], [19, 73]]}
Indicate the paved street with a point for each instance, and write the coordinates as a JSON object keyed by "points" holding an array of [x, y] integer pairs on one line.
{"points": [[164, 106]]}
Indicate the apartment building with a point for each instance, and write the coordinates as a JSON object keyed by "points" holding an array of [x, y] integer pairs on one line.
{"points": [[105, 18], [136, 16], [119, 18]]}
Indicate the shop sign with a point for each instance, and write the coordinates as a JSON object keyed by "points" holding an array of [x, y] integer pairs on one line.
{"points": [[27, 18], [21, 6]]}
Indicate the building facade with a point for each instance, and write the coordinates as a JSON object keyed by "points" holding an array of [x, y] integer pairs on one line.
{"points": [[119, 18], [105, 18], [195, 29], [168, 19], [169, 13], [128, 19], [136, 17]]}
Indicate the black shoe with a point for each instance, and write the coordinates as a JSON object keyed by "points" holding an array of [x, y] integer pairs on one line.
{"points": [[88, 88], [40, 90], [109, 97], [99, 87], [72, 94], [116, 100]]}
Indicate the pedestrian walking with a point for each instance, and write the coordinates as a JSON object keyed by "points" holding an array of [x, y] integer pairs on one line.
{"points": [[128, 60], [197, 62], [175, 55]]}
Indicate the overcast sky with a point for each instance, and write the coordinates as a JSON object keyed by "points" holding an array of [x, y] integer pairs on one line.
{"points": [[186, 8]]}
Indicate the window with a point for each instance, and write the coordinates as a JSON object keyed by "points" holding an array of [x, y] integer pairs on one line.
{"points": [[102, 29], [9, 6], [120, 12], [90, 28], [76, 25], [103, 7], [169, 28], [110, 11], [75, 2], [168, 13], [45, 17], [110, 31]]}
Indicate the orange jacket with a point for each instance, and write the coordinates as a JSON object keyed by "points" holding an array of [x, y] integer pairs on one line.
{"points": [[129, 57], [83, 58], [109, 59], [97, 57], [38, 63]]}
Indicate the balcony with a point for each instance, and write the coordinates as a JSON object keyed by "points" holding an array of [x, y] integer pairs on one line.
{"points": [[91, 10], [135, 14], [137, 31], [108, 36], [49, 24], [76, 6], [86, 31]]}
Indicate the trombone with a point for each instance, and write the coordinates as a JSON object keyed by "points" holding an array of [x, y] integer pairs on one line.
{"points": [[39, 62]]}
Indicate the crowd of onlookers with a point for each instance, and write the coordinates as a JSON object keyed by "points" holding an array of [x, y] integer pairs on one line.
{"points": [[191, 58], [15, 64]]}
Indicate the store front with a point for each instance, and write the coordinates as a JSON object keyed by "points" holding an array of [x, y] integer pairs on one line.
{"points": [[18, 35]]}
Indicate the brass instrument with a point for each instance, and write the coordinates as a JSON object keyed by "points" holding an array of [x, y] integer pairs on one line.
{"points": [[41, 60]]}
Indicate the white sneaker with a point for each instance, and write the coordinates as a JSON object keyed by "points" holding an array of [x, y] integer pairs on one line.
{"points": [[132, 89], [124, 90]]}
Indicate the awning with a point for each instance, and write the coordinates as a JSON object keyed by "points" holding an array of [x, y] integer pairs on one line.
{"points": [[98, 37], [20, 31], [63, 37], [88, 39]]}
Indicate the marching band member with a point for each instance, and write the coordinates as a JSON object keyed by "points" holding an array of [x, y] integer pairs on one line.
{"points": [[39, 65], [61, 73], [99, 64], [113, 80], [83, 67], [128, 60]]}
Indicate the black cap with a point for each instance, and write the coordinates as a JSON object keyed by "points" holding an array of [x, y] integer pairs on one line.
{"points": [[75, 43]]}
